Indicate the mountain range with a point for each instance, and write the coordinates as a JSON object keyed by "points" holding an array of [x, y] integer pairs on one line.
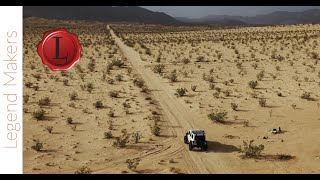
{"points": [[142, 15]]}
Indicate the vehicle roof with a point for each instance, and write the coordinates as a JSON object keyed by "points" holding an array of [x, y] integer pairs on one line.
{"points": [[198, 131]]}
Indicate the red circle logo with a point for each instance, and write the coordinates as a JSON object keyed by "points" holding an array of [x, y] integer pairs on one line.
{"points": [[59, 49]]}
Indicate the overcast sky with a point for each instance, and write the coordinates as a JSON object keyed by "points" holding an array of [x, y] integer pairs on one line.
{"points": [[200, 11]]}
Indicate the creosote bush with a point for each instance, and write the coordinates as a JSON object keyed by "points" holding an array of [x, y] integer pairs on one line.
{"points": [[44, 101], [108, 135], [73, 96], [250, 150], [234, 106], [159, 68], [83, 170], [38, 146], [253, 84], [181, 91], [121, 141], [218, 116], [262, 102], [133, 163], [39, 114]]}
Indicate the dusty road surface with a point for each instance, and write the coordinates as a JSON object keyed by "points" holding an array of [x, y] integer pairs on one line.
{"points": [[180, 118]]}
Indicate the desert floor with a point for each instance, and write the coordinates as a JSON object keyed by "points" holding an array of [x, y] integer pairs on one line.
{"points": [[220, 64]]}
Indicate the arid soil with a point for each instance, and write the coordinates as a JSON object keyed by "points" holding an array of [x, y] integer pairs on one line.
{"points": [[214, 66]]}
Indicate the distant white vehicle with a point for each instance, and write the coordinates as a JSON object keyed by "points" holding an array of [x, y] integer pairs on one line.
{"points": [[196, 138]]}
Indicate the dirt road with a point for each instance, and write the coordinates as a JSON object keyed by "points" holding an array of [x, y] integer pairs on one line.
{"points": [[179, 117]]}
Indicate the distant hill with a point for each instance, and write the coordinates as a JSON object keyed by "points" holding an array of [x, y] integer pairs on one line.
{"points": [[275, 18], [100, 13], [141, 15]]}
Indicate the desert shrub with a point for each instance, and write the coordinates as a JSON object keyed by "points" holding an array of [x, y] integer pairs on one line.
{"points": [[38, 146], [64, 73], [239, 65], [121, 141], [44, 101], [98, 105], [119, 77], [226, 83], [28, 84], [49, 128], [200, 59], [227, 93], [114, 94], [136, 137], [39, 114], [26, 98], [278, 68], [73, 96], [185, 61], [79, 68], [251, 150], [110, 81], [253, 84], [173, 76], [69, 120], [218, 116], [218, 89], [66, 82], [111, 113], [37, 76], [254, 65], [87, 87], [260, 75], [133, 163], [234, 106], [92, 65], [108, 135], [138, 82], [212, 86], [159, 68], [155, 129], [273, 76], [125, 105], [246, 123], [83, 170], [193, 88], [231, 80], [74, 127], [262, 102], [209, 78], [307, 96], [181, 91], [216, 94]]}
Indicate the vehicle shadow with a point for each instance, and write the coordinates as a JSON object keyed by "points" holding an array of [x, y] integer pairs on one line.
{"points": [[214, 146]]}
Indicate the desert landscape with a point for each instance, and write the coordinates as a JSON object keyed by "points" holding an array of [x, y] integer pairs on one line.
{"points": [[127, 104]]}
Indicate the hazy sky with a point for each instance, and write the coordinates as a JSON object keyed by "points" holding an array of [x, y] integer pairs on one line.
{"points": [[200, 11]]}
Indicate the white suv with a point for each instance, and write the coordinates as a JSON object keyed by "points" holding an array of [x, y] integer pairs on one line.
{"points": [[196, 138]]}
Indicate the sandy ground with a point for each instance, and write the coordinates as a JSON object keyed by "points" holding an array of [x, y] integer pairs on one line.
{"points": [[67, 148], [250, 121]]}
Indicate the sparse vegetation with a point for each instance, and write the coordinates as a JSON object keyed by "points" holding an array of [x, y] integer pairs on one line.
{"points": [[39, 114], [250, 150], [219, 117], [253, 84], [73, 96], [38, 146], [132, 164], [83, 170], [181, 91]]}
